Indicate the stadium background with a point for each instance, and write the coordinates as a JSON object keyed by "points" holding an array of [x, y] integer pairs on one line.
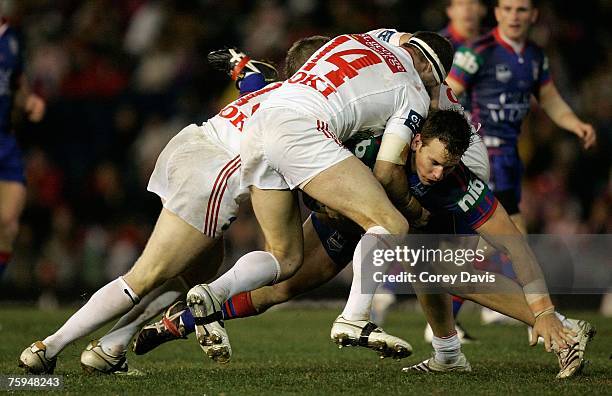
{"points": [[121, 77]]}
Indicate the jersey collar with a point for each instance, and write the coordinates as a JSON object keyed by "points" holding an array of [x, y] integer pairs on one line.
{"points": [[511, 45], [455, 35]]}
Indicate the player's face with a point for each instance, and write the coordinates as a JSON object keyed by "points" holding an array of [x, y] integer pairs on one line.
{"points": [[431, 160], [466, 13], [514, 17]]}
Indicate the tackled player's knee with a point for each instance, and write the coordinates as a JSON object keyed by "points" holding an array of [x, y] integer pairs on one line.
{"points": [[396, 225]]}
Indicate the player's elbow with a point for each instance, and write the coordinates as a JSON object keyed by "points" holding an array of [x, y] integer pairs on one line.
{"points": [[384, 175]]}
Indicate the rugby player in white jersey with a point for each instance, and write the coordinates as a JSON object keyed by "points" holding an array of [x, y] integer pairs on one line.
{"points": [[197, 179], [354, 83]]}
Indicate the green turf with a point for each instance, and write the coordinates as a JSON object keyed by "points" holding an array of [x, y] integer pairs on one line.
{"points": [[289, 352]]}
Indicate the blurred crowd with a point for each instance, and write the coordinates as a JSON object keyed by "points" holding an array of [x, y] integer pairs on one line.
{"points": [[121, 77]]}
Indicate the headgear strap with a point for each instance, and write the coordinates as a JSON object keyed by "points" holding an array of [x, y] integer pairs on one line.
{"points": [[428, 52]]}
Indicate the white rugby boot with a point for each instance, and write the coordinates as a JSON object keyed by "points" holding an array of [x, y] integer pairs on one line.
{"points": [[210, 330], [33, 359], [367, 334], [571, 360], [94, 360]]}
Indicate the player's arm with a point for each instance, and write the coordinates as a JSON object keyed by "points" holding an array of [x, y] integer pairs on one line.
{"points": [[456, 85], [466, 65], [501, 232], [25, 100], [389, 170], [559, 111], [469, 196], [393, 155]]}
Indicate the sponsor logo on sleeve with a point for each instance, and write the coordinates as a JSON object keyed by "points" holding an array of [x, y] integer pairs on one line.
{"points": [[385, 35], [466, 60], [468, 201], [414, 121]]}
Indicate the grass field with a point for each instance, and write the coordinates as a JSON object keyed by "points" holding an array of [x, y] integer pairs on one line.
{"points": [[288, 351]]}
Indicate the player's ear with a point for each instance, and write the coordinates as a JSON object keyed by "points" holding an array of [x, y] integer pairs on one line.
{"points": [[416, 142], [498, 13]]}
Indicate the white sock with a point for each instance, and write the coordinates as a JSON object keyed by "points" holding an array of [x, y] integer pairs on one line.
{"points": [[251, 271], [111, 300], [116, 341], [359, 302], [447, 349]]}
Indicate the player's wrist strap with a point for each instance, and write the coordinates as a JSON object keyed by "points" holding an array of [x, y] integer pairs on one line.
{"points": [[538, 299]]}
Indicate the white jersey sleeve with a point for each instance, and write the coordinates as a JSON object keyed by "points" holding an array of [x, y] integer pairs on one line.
{"points": [[408, 120], [390, 36]]}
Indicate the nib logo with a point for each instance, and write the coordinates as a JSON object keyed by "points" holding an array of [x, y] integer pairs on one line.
{"points": [[475, 188]]}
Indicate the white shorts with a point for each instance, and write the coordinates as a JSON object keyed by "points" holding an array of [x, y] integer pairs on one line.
{"points": [[284, 149], [198, 181]]}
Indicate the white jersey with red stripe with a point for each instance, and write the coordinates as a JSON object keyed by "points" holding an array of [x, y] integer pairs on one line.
{"points": [[227, 127], [358, 82]]}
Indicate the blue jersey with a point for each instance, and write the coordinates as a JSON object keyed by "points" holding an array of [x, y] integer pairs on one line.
{"points": [[11, 163], [10, 70], [461, 194], [500, 82]]}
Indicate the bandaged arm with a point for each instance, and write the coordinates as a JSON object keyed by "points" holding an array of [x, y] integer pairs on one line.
{"points": [[501, 232], [390, 172]]}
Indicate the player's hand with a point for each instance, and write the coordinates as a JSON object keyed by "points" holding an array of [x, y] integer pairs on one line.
{"points": [[422, 220], [34, 107], [550, 328], [586, 133]]}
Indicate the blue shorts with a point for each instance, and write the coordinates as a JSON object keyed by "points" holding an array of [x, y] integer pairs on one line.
{"points": [[11, 161], [339, 248], [506, 175]]}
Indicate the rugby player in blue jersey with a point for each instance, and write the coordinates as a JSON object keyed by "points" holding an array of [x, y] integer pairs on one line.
{"points": [[14, 93], [500, 72]]}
